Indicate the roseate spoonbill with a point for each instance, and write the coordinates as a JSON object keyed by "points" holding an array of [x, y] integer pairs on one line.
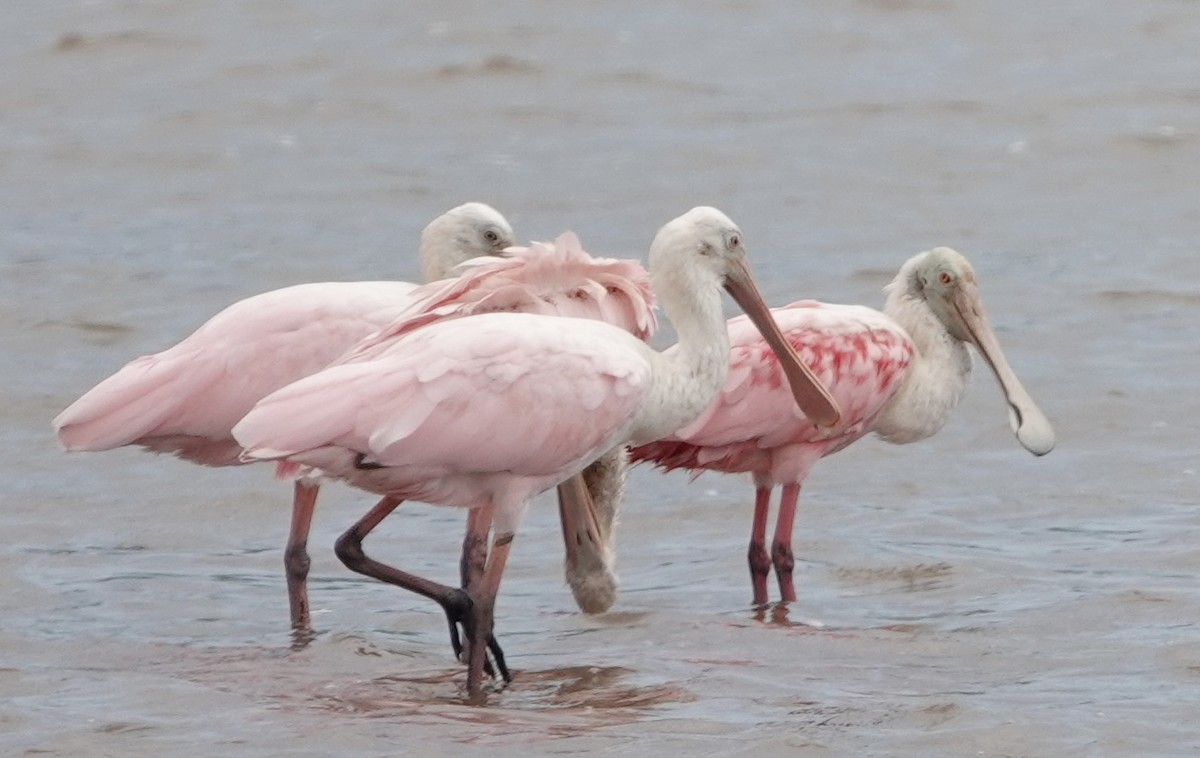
{"points": [[186, 399], [486, 412], [553, 279], [899, 374]]}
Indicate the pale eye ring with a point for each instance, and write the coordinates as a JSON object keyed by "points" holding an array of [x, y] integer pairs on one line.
{"points": [[491, 236], [734, 240]]}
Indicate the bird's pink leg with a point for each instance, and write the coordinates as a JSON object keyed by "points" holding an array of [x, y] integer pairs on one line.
{"points": [[472, 566], [483, 608], [760, 562], [474, 549], [781, 549], [295, 555]]}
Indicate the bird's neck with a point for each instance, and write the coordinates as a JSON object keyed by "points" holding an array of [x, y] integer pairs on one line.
{"points": [[937, 377], [688, 376], [440, 253]]}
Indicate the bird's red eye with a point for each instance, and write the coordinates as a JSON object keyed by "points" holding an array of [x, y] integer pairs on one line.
{"points": [[945, 278]]}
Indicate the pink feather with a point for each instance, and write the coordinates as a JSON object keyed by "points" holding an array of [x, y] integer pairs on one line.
{"points": [[753, 425]]}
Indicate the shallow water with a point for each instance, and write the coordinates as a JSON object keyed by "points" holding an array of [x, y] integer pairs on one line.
{"points": [[958, 596]]}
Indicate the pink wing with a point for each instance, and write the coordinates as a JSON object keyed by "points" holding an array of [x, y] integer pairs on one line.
{"points": [[858, 354], [551, 279], [498, 393], [185, 400]]}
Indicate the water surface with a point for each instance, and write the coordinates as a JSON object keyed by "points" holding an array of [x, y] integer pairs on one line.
{"points": [[958, 596]]}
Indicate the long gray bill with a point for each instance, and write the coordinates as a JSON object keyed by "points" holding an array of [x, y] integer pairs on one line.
{"points": [[1031, 426]]}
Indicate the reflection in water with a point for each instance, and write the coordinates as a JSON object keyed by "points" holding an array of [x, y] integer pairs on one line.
{"points": [[779, 614], [302, 638], [339, 674], [587, 688]]}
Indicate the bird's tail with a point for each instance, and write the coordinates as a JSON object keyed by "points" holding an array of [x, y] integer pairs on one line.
{"points": [[129, 405]]}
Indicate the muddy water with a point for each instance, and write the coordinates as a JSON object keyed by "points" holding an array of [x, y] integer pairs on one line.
{"points": [[958, 597]]}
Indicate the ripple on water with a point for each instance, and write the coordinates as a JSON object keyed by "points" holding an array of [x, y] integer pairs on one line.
{"points": [[920, 577], [1144, 298]]}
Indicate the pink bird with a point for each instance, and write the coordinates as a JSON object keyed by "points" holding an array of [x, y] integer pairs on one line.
{"points": [[551, 279], [899, 374], [185, 400], [486, 412]]}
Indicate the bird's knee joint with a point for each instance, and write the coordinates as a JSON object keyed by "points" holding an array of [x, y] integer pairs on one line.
{"points": [[760, 562], [349, 550], [781, 556], [296, 561]]}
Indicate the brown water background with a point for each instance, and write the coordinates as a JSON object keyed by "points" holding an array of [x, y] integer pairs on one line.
{"points": [[159, 160]]}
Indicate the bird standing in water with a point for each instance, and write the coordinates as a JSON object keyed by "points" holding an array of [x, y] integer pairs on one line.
{"points": [[898, 374], [553, 279]]}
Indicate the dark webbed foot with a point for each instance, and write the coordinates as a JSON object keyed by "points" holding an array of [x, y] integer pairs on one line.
{"points": [[460, 612]]}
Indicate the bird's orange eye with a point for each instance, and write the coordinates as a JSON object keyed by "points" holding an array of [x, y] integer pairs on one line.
{"points": [[945, 278]]}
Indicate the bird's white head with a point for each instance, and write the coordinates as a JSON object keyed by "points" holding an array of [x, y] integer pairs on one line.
{"points": [[467, 231], [702, 249], [944, 279], [703, 243]]}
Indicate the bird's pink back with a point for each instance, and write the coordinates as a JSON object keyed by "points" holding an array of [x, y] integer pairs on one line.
{"points": [[186, 399], [860, 355], [437, 404], [551, 279]]}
